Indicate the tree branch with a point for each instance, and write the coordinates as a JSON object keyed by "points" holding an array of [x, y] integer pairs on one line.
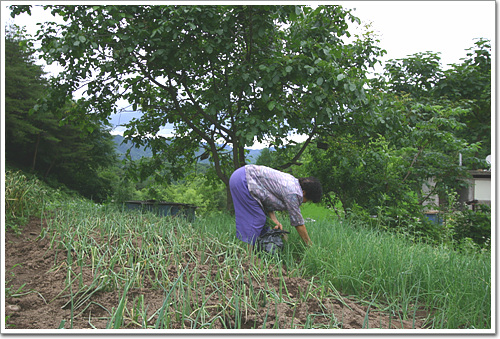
{"points": [[200, 110], [299, 154], [415, 160], [172, 91]]}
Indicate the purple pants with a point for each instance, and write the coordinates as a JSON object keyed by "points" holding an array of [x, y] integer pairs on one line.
{"points": [[250, 218]]}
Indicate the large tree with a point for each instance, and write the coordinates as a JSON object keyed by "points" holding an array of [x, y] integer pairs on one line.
{"points": [[24, 85], [223, 75], [468, 84], [37, 140]]}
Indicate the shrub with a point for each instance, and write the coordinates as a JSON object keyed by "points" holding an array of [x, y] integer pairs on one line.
{"points": [[196, 191], [472, 225]]}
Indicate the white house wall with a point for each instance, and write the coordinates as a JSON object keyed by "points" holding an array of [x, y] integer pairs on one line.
{"points": [[482, 189]]}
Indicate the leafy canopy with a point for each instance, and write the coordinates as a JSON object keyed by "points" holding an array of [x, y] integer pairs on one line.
{"points": [[222, 75]]}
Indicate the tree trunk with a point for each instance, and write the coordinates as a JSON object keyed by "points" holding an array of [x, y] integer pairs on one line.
{"points": [[48, 169], [36, 151], [229, 201], [238, 161]]}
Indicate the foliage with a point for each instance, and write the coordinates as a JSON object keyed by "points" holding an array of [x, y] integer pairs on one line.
{"points": [[415, 75], [79, 159], [24, 84], [378, 162], [39, 140], [385, 174], [265, 158], [27, 196], [194, 190], [468, 84], [230, 74], [121, 187], [472, 225], [20, 193]]}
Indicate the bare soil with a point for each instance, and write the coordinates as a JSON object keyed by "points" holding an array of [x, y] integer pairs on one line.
{"points": [[42, 302]]}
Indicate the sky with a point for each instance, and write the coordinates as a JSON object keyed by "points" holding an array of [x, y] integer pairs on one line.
{"points": [[403, 27], [445, 27]]}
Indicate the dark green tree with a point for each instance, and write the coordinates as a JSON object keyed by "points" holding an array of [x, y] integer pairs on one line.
{"points": [[24, 85], [415, 75], [465, 85], [38, 139], [265, 158]]}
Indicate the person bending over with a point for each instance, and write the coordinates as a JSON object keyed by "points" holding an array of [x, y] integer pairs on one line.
{"points": [[260, 190]]}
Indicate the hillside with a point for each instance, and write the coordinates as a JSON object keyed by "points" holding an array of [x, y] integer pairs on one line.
{"points": [[122, 146]]}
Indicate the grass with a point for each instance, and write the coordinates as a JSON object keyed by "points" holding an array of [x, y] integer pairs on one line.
{"points": [[126, 251], [454, 287]]}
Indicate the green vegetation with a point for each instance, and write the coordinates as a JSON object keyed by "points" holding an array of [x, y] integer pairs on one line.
{"points": [[255, 73], [27, 196], [48, 144], [127, 251], [454, 287]]}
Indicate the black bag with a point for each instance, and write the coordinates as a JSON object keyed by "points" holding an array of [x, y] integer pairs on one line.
{"points": [[271, 241]]}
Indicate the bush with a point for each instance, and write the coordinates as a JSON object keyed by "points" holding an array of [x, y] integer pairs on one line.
{"points": [[472, 225], [195, 190]]}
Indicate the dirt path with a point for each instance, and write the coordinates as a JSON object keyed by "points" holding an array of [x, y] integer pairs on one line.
{"points": [[37, 274]]}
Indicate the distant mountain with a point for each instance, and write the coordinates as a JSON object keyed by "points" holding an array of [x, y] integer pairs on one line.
{"points": [[253, 155], [123, 117], [122, 146]]}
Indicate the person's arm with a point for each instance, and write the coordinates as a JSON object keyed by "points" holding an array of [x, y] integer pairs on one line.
{"points": [[303, 234], [272, 215]]}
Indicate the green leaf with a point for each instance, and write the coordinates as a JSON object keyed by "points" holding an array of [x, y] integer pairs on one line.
{"points": [[271, 105], [319, 81], [288, 69]]}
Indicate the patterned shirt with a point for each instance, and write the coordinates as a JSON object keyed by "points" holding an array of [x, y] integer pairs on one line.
{"points": [[275, 191]]}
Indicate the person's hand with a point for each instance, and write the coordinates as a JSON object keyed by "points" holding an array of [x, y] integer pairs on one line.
{"points": [[278, 227]]}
